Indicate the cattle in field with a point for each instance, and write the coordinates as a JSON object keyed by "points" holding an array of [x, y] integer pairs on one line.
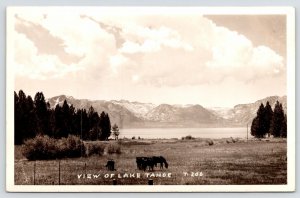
{"points": [[110, 165]]}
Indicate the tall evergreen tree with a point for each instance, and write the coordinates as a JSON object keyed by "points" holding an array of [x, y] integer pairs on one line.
{"points": [[84, 125], [25, 118], [59, 121], [283, 132], [268, 118], [18, 120], [105, 126], [278, 120], [51, 131], [94, 121], [72, 115], [66, 116], [255, 127], [31, 124], [259, 123], [42, 113]]}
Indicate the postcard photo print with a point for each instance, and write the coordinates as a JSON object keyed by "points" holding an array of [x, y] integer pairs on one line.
{"points": [[150, 99]]}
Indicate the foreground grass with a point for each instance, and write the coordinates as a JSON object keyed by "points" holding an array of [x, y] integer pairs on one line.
{"points": [[253, 162]]}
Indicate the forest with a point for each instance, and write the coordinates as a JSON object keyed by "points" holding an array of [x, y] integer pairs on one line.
{"points": [[34, 117]]}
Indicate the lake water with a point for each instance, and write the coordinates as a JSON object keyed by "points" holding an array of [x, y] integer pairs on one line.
{"points": [[153, 133]]}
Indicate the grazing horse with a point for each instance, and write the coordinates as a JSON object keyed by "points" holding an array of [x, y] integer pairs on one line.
{"points": [[139, 162], [160, 160], [110, 165], [163, 161], [144, 162], [150, 162]]}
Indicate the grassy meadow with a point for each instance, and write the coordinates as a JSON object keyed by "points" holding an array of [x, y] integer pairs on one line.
{"points": [[226, 161]]}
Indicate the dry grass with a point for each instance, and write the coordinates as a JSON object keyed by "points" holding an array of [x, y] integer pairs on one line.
{"points": [[253, 162]]}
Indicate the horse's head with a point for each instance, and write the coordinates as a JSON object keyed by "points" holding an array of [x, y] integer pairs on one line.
{"points": [[166, 164], [164, 161]]}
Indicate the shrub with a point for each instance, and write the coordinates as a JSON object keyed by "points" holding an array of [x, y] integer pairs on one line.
{"points": [[234, 140], [114, 148], [40, 147], [210, 142], [43, 147], [188, 137], [94, 149]]}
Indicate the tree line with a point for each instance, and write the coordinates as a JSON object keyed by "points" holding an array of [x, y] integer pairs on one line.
{"points": [[269, 122], [35, 117]]}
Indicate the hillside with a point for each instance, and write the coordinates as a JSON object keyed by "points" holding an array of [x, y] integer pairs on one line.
{"points": [[137, 114]]}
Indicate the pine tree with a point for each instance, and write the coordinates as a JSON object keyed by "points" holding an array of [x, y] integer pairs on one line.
{"points": [[278, 120], [72, 117], [84, 125], [18, 120], [259, 126], [94, 121], [66, 125], [25, 117], [105, 126], [42, 113], [31, 124], [58, 115], [268, 118], [283, 132], [255, 127]]}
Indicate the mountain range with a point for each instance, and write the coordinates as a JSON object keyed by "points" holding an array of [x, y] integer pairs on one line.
{"points": [[136, 114]]}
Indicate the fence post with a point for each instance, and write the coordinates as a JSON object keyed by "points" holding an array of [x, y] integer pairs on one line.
{"points": [[58, 172], [34, 172], [150, 182], [114, 182]]}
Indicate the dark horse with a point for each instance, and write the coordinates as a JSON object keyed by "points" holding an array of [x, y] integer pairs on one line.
{"points": [[150, 162], [144, 162], [160, 160], [110, 165]]}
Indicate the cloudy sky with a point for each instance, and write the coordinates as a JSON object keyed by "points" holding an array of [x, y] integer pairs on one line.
{"points": [[190, 58]]}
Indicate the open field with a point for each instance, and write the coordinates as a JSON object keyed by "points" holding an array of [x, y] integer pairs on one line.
{"points": [[224, 162]]}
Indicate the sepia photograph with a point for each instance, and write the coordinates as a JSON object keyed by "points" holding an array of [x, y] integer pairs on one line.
{"points": [[150, 99]]}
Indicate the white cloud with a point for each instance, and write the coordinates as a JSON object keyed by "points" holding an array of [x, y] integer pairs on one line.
{"points": [[116, 61], [152, 40], [28, 62], [161, 53]]}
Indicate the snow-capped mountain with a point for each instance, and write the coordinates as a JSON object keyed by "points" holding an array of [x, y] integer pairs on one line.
{"points": [[136, 114], [188, 114], [117, 113], [243, 114], [139, 109]]}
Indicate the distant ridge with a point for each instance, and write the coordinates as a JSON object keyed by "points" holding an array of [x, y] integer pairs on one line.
{"points": [[137, 114]]}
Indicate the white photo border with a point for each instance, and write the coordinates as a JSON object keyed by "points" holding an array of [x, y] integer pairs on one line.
{"points": [[290, 186]]}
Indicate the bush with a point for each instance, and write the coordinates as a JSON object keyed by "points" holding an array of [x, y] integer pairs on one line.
{"points": [[94, 149], [188, 137], [234, 140], [114, 148], [43, 147], [210, 142]]}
